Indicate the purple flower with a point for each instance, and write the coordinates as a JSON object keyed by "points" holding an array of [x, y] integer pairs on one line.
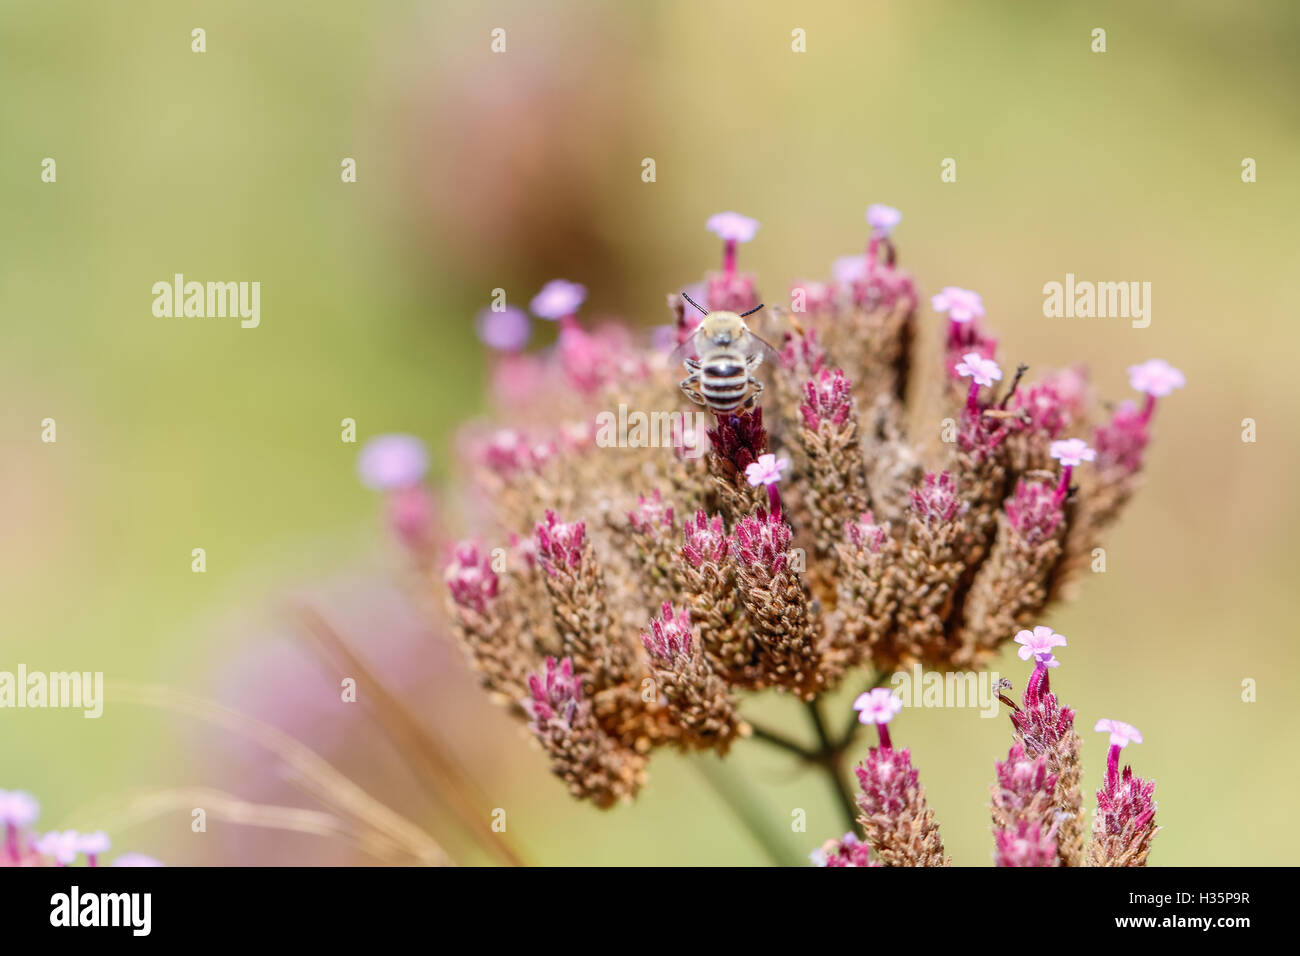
{"points": [[849, 269], [136, 859], [18, 809], [878, 706], [63, 846], [505, 331], [1038, 644], [1072, 451], [962, 305], [1121, 734], [984, 371], [93, 844], [732, 226], [766, 471], [389, 462], [882, 219], [558, 299], [1155, 377]]}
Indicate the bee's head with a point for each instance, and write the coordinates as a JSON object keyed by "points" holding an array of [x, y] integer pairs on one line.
{"points": [[722, 328]]}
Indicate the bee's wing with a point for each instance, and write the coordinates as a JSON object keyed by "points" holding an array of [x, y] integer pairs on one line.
{"points": [[756, 344], [687, 350]]}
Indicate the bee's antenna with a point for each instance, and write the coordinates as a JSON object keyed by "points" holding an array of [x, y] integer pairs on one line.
{"points": [[701, 309], [752, 311]]}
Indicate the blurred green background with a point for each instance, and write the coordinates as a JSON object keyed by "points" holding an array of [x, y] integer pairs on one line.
{"points": [[480, 170]]}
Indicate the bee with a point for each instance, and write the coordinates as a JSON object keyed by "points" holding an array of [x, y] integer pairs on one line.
{"points": [[722, 355]]}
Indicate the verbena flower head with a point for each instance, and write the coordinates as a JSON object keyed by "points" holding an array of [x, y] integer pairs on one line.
{"points": [[961, 305], [732, 226], [1155, 377], [878, 706], [391, 462], [883, 219], [1038, 644], [811, 538], [506, 330], [1121, 734], [981, 370], [558, 299], [1072, 451]]}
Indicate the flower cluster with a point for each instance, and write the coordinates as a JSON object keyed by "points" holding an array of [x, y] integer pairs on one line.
{"points": [[1036, 804], [24, 847], [811, 537]]}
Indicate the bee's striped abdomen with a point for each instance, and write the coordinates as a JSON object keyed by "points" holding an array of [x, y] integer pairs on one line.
{"points": [[724, 380]]}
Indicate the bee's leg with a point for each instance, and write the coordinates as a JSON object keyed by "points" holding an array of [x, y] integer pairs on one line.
{"points": [[690, 387], [756, 389]]}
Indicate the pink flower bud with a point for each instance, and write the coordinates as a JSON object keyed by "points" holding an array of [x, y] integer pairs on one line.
{"points": [[1034, 512], [470, 578], [559, 545], [761, 541], [706, 541], [651, 513], [670, 633], [866, 534], [828, 397], [935, 502], [556, 694]]}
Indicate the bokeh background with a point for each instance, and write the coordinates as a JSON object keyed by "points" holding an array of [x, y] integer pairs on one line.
{"points": [[479, 170]]}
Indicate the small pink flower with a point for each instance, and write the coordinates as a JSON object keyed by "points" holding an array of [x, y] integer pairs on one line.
{"points": [[1121, 734], [983, 370], [849, 269], [1155, 377], [1072, 451], [389, 462], [962, 305], [136, 859], [63, 845], [878, 706], [732, 226], [93, 844], [1038, 644], [766, 471], [506, 330], [558, 299], [18, 809], [882, 219]]}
